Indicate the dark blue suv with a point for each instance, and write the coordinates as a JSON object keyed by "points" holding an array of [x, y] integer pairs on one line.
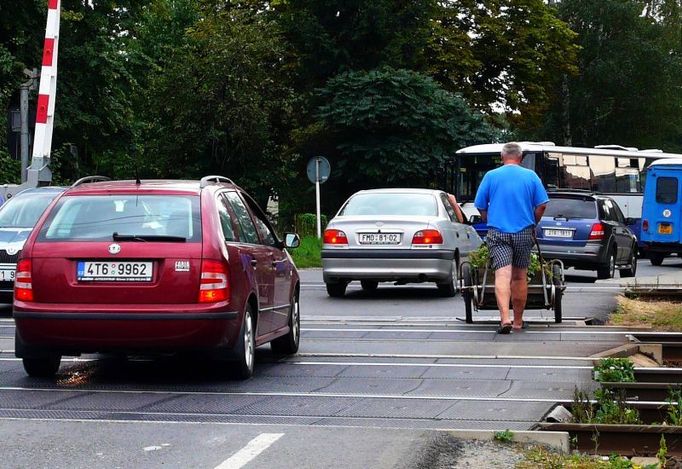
{"points": [[587, 231]]}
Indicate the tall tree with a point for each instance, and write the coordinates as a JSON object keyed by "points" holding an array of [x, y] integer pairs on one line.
{"points": [[503, 55], [626, 91], [222, 102], [391, 127]]}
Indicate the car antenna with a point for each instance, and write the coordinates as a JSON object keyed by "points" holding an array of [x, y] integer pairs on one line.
{"points": [[133, 149]]}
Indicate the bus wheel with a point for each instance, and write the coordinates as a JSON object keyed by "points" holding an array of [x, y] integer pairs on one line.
{"points": [[656, 258]]}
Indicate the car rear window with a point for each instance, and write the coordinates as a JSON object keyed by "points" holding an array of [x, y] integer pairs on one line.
{"points": [[23, 211], [391, 204], [571, 208], [666, 190], [124, 217]]}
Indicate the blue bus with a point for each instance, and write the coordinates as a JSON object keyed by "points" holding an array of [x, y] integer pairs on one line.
{"points": [[661, 233]]}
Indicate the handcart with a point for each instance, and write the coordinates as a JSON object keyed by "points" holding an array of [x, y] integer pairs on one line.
{"points": [[545, 287]]}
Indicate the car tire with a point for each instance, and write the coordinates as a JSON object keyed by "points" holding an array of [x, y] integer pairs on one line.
{"points": [[42, 367], [449, 288], [336, 290], [558, 293], [369, 285], [288, 344], [608, 270], [656, 258], [245, 349], [632, 271], [467, 295]]}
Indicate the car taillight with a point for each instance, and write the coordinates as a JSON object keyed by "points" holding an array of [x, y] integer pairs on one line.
{"points": [[23, 286], [335, 237], [645, 225], [214, 286], [427, 237], [597, 231]]}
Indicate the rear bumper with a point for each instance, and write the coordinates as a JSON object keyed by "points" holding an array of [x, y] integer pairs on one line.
{"points": [[387, 265], [662, 247], [71, 332], [588, 256]]}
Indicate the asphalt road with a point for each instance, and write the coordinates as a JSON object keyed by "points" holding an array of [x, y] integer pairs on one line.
{"points": [[376, 380]]}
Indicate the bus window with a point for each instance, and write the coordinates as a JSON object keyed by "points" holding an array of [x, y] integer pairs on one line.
{"points": [[471, 172], [603, 173], [666, 190]]}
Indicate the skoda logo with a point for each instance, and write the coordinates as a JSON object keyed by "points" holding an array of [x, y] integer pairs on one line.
{"points": [[12, 251], [114, 248]]}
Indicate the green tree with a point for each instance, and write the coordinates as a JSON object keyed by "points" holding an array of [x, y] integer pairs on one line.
{"points": [[626, 91], [221, 102], [391, 127], [332, 36], [502, 55]]}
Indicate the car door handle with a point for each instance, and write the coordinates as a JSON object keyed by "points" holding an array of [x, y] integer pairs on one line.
{"points": [[254, 262]]}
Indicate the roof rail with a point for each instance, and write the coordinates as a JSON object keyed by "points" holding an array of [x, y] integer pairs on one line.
{"points": [[544, 143], [88, 179], [615, 147], [206, 180], [652, 150]]}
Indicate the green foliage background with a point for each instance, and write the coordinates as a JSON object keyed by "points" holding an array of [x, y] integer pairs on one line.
{"points": [[388, 90]]}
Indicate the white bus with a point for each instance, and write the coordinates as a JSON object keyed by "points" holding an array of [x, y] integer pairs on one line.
{"points": [[608, 169]]}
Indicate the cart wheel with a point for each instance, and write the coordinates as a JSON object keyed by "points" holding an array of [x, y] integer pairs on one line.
{"points": [[467, 294], [558, 294]]}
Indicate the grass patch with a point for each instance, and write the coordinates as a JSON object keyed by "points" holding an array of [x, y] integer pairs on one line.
{"points": [[540, 457], [308, 253], [660, 315]]}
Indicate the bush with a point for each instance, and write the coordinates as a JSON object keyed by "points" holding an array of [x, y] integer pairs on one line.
{"points": [[306, 224], [308, 253]]}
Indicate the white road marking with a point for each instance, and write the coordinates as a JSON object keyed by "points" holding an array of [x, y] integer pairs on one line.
{"points": [[489, 331], [441, 357], [250, 451], [444, 365]]}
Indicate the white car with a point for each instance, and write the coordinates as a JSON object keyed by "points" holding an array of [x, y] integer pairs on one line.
{"points": [[396, 235]]}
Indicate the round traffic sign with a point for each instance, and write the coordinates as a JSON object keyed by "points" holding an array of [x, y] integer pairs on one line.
{"points": [[318, 169]]}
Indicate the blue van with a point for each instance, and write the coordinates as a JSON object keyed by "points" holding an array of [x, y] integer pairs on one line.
{"points": [[662, 210]]}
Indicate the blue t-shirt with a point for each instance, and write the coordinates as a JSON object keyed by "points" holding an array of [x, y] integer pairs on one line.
{"points": [[510, 194]]}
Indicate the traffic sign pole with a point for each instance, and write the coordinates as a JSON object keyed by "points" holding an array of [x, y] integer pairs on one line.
{"points": [[318, 170], [317, 196]]}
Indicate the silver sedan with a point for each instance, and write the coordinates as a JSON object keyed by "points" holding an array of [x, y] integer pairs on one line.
{"points": [[395, 235]]}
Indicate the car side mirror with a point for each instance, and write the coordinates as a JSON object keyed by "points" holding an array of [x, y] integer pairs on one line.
{"points": [[630, 221], [292, 240], [475, 219]]}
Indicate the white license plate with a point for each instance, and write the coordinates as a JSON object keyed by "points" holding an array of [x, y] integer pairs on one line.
{"points": [[7, 275], [114, 271], [559, 233], [380, 238]]}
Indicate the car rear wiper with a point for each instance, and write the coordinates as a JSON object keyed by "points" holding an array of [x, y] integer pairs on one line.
{"points": [[145, 238]]}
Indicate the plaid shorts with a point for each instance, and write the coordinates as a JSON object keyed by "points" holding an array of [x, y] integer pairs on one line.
{"points": [[510, 248]]}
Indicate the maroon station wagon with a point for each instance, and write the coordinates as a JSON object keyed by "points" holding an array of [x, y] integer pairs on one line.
{"points": [[155, 266]]}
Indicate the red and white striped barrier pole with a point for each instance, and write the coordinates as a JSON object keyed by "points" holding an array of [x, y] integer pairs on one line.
{"points": [[39, 171]]}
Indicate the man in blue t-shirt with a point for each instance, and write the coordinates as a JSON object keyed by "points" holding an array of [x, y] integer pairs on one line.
{"points": [[511, 200]]}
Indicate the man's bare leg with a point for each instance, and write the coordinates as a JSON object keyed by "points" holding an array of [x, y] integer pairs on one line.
{"points": [[503, 287], [519, 288]]}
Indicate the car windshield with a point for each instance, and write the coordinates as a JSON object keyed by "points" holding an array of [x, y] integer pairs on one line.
{"points": [[392, 203], [571, 208], [137, 218], [23, 211]]}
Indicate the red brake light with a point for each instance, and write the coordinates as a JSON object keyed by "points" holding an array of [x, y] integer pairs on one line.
{"points": [[597, 232], [214, 286], [23, 286], [645, 225], [335, 237], [427, 237]]}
